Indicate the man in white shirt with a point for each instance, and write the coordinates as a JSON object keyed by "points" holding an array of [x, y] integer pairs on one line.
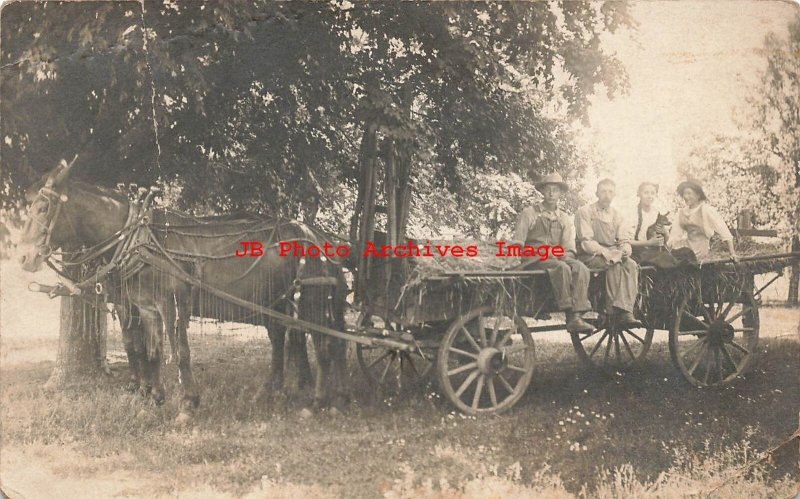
{"points": [[604, 244]]}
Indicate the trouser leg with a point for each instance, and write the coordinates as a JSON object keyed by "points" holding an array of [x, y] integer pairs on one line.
{"points": [[560, 276], [580, 285], [622, 285]]}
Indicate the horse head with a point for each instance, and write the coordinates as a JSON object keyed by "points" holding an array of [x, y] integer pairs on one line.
{"points": [[42, 231]]}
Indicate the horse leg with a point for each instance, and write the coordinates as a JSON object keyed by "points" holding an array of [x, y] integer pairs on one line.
{"points": [[338, 350], [321, 345], [297, 370], [153, 330], [277, 338], [190, 395], [171, 332], [131, 335]]}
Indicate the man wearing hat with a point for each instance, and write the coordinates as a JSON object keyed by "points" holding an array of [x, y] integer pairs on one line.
{"points": [[545, 224], [604, 244], [697, 222]]}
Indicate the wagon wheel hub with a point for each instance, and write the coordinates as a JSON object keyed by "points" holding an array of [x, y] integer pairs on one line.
{"points": [[720, 332], [491, 361]]}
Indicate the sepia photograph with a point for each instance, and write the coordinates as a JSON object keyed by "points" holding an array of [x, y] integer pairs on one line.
{"points": [[399, 249]]}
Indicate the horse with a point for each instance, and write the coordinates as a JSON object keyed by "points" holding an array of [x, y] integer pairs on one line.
{"points": [[73, 216]]}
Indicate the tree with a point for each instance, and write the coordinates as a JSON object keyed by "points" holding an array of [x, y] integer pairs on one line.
{"points": [[759, 169], [287, 108]]}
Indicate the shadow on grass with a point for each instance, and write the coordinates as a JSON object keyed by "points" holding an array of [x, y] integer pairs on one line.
{"points": [[577, 423]]}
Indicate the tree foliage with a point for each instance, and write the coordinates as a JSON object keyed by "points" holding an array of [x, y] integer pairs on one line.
{"points": [[759, 168], [264, 105]]}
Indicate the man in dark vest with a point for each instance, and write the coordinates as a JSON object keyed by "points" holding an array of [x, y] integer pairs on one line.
{"points": [[545, 224]]}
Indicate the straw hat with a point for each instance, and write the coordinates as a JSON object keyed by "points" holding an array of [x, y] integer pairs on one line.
{"points": [[551, 178], [694, 185]]}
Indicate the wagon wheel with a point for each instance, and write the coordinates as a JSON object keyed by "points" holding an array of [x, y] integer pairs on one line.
{"points": [[714, 343], [485, 361], [390, 370], [611, 348]]}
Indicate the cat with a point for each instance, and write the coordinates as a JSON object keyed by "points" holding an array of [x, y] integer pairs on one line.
{"points": [[662, 257], [662, 220]]}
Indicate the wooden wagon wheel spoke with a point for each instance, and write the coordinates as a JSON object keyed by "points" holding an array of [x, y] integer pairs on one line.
{"points": [[463, 353], [505, 383], [503, 338], [700, 357], [608, 348], [470, 339], [696, 332], [466, 377], [461, 369], [617, 351], [739, 347], [409, 361], [515, 368], [586, 336], [727, 310], [727, 356], [470, 379], [492, 392], [514, 349], [715, 363], [707, 368], [627, 345], [391, 372], [386, 354], [635, 336], [386, 369], [599, 343], [743, 311], [687, 314], [692, 348], [476, 398]]}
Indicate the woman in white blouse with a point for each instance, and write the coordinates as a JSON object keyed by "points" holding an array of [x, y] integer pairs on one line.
{"points": [[697, 222]]}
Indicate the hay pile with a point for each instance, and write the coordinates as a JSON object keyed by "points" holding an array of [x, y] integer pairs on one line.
{"points": [[486, 259]]}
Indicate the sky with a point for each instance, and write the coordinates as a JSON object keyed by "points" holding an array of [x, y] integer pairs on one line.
{"points": [[690, 65]]}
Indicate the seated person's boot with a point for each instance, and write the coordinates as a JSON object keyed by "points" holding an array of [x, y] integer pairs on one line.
{"points": [[575, 324], [623, 318]]}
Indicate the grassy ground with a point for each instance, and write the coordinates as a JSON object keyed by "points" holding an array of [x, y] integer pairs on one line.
{"points": [[569, 432]]}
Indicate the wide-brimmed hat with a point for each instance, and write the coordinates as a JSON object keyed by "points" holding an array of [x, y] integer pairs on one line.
{"points": [[551, 178], [694, 185]]}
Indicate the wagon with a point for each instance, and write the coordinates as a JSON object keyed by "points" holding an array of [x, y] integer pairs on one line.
{"points": [[474, 330]]}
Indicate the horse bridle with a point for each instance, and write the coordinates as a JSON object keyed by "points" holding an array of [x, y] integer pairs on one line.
{"points": [[48, 221]]}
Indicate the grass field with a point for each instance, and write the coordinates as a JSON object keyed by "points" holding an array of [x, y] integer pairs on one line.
{"points": [[645, 433]]}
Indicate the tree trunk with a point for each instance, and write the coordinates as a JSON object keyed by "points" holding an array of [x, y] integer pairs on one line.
{"points": [[794, 278], [82, 340]]}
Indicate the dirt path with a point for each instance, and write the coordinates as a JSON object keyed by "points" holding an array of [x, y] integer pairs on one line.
{"points": [[47, 472]]}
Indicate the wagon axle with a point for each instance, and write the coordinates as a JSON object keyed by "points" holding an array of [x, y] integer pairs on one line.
{"points": [[720, 332], [491, 361]]}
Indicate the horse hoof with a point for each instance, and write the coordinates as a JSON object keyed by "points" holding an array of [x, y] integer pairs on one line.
{"points": [[183, 419], [157, 398], [306, 413]]}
